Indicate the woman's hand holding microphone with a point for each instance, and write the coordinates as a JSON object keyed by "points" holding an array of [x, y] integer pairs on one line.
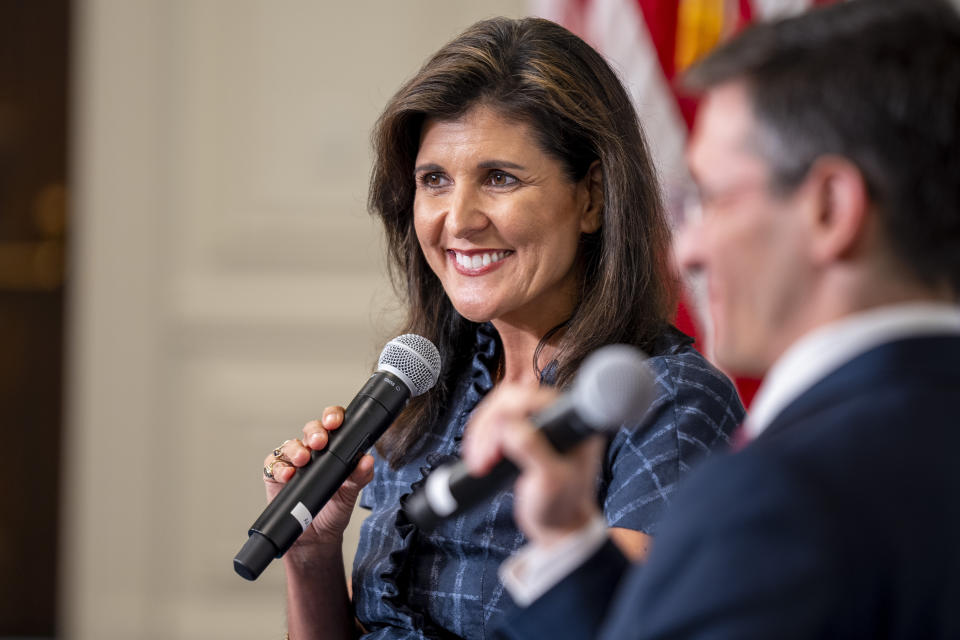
{"points": [[281, 465]]}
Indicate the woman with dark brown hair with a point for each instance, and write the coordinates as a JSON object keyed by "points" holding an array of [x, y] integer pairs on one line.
{"points": [[526, 229]]}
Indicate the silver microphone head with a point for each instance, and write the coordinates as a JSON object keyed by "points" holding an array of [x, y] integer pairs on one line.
{"points": [[414, 360], [613, 386]]}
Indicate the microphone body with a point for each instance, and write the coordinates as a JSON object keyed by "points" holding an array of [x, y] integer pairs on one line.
{"points": [[451, 489], [613, 386], [365, 419]]}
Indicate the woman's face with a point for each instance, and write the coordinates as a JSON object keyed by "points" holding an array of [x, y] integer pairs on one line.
{"points": [[499, 221]]}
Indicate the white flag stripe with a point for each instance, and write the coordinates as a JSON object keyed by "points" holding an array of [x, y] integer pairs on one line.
{"points": [[616, 28]]}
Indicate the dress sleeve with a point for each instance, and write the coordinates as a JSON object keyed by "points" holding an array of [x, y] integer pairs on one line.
{"points": [[694, 411]]}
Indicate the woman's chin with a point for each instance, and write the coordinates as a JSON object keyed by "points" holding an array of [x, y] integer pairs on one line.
{"points": [[479, 318], [475, 312]]}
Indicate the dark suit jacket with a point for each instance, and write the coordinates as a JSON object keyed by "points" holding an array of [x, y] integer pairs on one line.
{"points": [[841, 520]]}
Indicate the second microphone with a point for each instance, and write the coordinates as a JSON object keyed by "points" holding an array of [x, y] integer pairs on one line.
{"points": [[613, 386]]}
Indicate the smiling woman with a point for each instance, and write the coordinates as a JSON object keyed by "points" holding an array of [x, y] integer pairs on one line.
{"points": [[525, 227], [499, 223]]}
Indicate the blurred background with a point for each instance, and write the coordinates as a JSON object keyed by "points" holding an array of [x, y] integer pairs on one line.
{"points": [[187, 275], [188, 272]]}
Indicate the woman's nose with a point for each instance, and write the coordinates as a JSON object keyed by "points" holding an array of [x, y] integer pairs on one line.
{"points": [[465, 214]]}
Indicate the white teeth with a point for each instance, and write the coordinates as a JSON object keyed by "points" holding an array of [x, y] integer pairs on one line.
{"points": [[478, 260]]}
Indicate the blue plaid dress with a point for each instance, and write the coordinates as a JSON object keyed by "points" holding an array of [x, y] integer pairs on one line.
{"points": [[443, 584]]}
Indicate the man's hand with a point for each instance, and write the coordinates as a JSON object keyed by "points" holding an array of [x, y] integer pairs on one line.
{"points": [[555, 494]]}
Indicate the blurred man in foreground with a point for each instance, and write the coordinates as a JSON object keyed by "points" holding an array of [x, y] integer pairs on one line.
{"points": [[827, 160]]}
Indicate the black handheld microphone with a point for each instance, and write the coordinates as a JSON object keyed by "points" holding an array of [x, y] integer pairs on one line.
{"points": [[612, 387], [409, 366]]}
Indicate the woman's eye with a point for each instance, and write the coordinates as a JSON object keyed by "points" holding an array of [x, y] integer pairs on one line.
{"points": [[432, 179], [501, 179]]}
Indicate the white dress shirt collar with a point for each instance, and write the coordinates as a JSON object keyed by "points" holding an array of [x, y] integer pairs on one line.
{"points": [[825, 349]]}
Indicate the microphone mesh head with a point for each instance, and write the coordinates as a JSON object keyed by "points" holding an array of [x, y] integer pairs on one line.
{"points": [[414, 359], [613, 386]]}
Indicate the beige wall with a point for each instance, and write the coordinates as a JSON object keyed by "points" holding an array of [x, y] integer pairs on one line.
{"points": [[226, 283]]}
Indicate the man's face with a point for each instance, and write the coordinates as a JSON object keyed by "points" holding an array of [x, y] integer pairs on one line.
{"points": [[748, 241]]}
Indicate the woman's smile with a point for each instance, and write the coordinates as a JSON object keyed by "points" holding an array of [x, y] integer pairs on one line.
{"points": [[477, 262]]}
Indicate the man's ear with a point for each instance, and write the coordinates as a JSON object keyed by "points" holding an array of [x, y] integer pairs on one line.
{"points": [[592, 214], [840, 209]]}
